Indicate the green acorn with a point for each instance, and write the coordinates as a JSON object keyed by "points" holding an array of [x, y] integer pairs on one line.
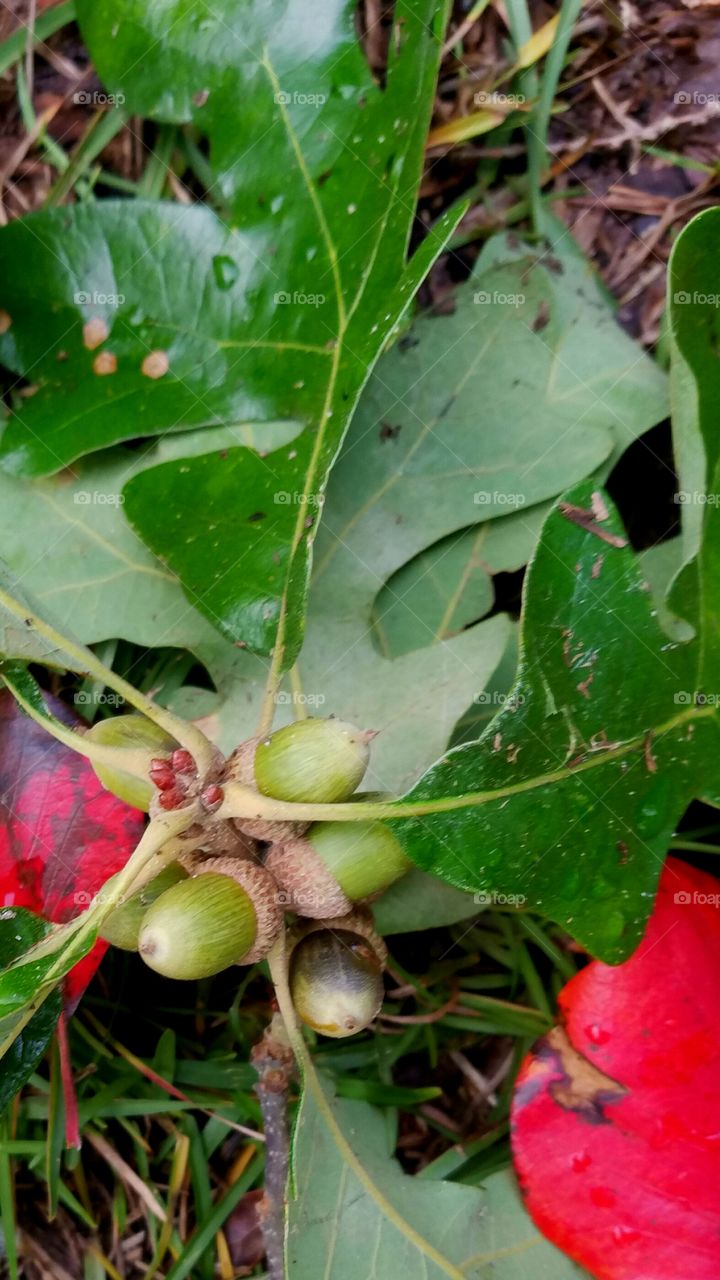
{"points": [[336, 981], [122, 926], [146, 741], [225, 914], [319, 761], [335, 864]]}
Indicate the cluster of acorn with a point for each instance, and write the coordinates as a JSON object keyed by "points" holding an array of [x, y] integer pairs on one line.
{"points": [[225, 901]]}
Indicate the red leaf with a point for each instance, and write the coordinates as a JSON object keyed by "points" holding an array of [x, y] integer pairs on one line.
{"points": [[616, 1116], [62, 835]]}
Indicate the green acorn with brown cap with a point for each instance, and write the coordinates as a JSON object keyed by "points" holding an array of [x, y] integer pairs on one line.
{"points": [[122, 926], [336, 975], [226, 913], [320, 761], [336, 864]]}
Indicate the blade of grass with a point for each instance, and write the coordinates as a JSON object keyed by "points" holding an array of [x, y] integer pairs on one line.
{"points": [[178, 1170], [695, 846], [126, 1174], [103, 128], [7, 1201], [537, 126], [204, 1237], [36, 126], [46, 24], [537, 934], [201, 1187], [66, 1198], [681, 161], [155, 173], [55, 1134]]}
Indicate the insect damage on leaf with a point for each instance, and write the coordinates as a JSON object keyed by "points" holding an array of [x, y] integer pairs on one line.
{"points": [[603, 750], [577, 1086], [616, 1115]]}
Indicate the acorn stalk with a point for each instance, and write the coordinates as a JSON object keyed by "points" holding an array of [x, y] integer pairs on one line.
{"points": [[122, 926], [336, 864], [336, 981], [141, 741]]}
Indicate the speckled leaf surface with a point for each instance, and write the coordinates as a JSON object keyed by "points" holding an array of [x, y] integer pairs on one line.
{"points": [[279, 315], [572, 793], [19, 930], [361, 1218], [693, 291], [97, 577]]}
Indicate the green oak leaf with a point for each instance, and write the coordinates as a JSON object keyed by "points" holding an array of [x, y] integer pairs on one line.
{"points": [[278, 316], [527, 386], [419, 901], [693, 298], [19, 637], [571, 795], [35, 973], [19, 929], [68, 540], [354, 1215], [449, 586]]}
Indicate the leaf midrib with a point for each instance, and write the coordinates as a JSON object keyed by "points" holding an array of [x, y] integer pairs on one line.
{"points": [[311, 1081]]}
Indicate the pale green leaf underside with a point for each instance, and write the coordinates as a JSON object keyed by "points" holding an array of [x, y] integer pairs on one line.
{"points": [[357, 1216]]}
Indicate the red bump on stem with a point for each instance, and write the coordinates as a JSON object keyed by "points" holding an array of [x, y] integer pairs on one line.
{"points": [[212, 795], [171, 799], [182, 761], [161, 773]]}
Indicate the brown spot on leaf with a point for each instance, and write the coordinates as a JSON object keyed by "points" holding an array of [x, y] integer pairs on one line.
{"points": [[95, 331], [587, 520], [5, 321], [542, 317], [155, 364], [600, 511], [105, 362], [597, 566], [583, 1088], [650, 760], [584, 686]]}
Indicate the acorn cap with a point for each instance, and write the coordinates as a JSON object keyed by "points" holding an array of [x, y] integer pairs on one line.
{"points": [[215, 838], [336, 864], [359, 920], [363, 857], [314, 760], [136, 733], [262, 890], [309, 889], [122, 926], [335, 981], [198, 928]]}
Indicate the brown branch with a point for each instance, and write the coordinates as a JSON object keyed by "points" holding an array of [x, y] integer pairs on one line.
{"points": [[273, 1060]]}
